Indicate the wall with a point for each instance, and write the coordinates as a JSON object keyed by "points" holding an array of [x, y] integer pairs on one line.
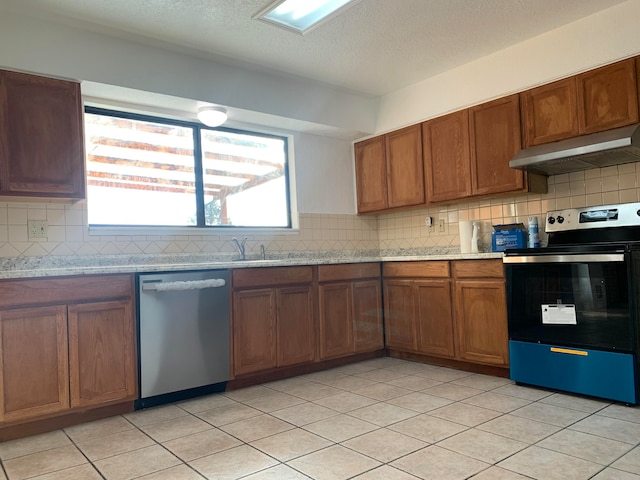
{"points": [[602, 38], [38, 45], [407, 230]]}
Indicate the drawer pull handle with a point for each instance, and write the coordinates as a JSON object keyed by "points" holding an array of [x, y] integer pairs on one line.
{"points": [[569, 351]]}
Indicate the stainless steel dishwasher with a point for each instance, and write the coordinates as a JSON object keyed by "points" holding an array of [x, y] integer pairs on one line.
{"points": [[183, 335]]}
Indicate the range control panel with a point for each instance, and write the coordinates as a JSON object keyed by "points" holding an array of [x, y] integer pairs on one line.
{"points": [[622, 215]]}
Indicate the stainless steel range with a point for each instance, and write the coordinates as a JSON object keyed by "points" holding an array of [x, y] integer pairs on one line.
{"points": [[573, 305]]}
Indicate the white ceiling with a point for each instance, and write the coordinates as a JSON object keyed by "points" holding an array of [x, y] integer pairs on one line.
{"points": [[375, 47]]}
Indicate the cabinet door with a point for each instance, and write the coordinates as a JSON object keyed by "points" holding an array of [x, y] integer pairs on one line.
{"points": [[336, 322], [295, 326], [399, 314], [495, 138], [434, 318], [447, 166], [550, 112], [41, 141], [102, 365], [481, 321], [405, 170], [254, 330], [34, 363], [367, 316], [608, 97], [371, 175]]}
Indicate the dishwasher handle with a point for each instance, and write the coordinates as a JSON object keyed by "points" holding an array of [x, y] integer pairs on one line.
{"points": [[184, 285]]}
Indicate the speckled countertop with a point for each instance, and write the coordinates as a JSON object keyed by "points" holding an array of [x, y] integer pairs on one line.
{"points": [[30, 267]]}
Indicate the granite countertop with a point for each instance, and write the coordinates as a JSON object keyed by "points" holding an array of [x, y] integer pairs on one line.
{"points": [[30, 267]]}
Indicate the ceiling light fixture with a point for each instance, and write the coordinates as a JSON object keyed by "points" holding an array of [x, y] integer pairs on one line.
{"points": [[212, 116], [300, 16]]}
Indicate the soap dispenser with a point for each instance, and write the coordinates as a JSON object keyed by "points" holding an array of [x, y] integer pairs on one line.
{"points": [[475, 237]]}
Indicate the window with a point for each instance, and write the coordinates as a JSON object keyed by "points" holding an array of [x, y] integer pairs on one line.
{"points": [[147, 171]]}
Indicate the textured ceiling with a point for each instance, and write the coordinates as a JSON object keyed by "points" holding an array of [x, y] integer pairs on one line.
{"points": [[375, 47]]}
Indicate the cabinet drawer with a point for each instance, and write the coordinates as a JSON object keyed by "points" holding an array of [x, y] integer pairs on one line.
{"points": [[478, 269], [350, 271], [432, 268], [15, 293], [272, 276]]}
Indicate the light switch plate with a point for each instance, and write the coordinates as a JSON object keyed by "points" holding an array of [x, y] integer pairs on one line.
{"points": [[37, 229]]}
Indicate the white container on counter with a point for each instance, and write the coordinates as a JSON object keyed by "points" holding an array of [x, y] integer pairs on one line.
{"points": [[466, 230]]}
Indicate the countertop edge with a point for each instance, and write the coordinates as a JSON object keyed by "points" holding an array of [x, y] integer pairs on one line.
{"points": [[228, 265]]}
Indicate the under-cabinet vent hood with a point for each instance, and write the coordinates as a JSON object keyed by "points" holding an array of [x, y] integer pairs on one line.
{"points": [[597, 150]]}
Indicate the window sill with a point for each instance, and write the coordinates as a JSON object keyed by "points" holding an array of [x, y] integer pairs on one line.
{"points": [[186, 231]]}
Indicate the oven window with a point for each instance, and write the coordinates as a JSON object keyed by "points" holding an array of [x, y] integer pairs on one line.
{"points": [[599, 292]]}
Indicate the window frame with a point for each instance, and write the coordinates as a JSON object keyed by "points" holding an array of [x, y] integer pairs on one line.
{"points": [[201, 228]]}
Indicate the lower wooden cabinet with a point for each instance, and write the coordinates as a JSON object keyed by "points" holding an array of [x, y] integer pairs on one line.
{"points": [[350, 309], [295, 325], [254, 327], [101, 352], [77, 353], [273, 318], [481, 311], [453, 310], [35, 363]]}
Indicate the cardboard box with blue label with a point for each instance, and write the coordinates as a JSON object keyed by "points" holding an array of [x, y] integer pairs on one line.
{"points": [[512, 235]]}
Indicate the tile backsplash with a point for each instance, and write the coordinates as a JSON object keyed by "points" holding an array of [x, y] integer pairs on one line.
{"points": [[68, 234], [603, 186], [68, 231]]}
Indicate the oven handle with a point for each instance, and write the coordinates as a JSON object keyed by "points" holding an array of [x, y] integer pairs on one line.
{"points": [[568, 258]]}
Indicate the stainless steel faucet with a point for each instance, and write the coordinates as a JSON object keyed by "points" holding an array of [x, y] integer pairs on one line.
{"points": [[240, 246], [263, 255]]}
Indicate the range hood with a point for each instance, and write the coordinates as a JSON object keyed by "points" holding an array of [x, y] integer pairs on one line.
{"points": [[604, 149]]}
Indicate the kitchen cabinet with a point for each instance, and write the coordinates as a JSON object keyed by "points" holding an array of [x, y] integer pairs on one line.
{"points": [[66, 343], [418, 307], [607, 97], [41, 137], [389, 171], [494, 138], [273, 318], [101, 352], [350, 309], [454, 310], [467, 153], [591, 102], [446, 152], [480, 311]]}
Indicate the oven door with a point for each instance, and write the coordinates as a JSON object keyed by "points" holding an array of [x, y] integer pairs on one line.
{"points": [[570, 299]]}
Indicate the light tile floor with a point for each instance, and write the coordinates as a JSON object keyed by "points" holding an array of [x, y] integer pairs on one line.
{"points": [[382, 419]]}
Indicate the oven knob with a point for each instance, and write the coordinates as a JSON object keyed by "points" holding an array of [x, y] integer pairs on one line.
{"points": [[551, 220], [560, 219]]}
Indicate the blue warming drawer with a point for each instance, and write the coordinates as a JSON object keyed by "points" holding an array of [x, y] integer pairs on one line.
{"points": [[598, 373]]}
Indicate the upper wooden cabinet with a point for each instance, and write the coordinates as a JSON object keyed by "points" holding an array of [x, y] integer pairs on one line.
{"points": [[447, 166], [371, 175], [41, 139], [607, 97], [389, 170], [591, 102], [550, 112], [494, 137]]}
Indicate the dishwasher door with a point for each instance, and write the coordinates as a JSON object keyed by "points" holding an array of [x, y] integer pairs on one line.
{"points": [[183, 334]]}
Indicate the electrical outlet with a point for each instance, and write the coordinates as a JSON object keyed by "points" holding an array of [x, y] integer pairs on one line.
{"points": [[441, 225], [37, 229]]}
